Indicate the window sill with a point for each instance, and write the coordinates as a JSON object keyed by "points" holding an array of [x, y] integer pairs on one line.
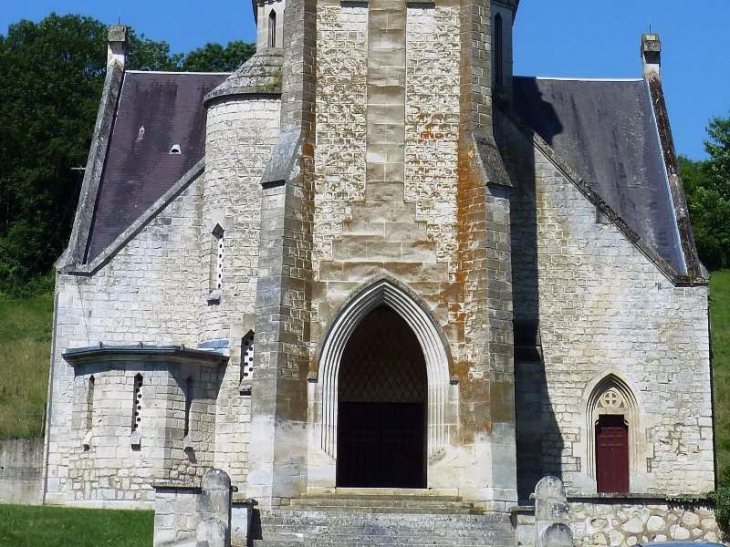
{"points": [[214, 298]]}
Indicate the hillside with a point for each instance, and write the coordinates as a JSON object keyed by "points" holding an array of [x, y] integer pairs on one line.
{"points": [[720, 298], [25, 345], [25, 350]]}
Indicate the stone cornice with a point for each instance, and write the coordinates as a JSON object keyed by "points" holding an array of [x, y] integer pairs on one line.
{"points": [[179, 354]]}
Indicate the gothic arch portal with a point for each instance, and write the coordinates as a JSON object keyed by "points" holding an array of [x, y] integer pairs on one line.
{"points": [[386, 292], [612, 395]]}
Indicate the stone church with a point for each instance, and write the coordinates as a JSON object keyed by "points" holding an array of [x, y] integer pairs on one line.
{"points": [[373, 270]]}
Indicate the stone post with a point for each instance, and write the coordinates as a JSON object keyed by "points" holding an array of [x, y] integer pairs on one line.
{"points": [[214, 510], [651, 54], [117, 46], [552, 514]]}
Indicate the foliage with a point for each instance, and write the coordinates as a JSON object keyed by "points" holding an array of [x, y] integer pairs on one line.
{"points": [[23, 526], [216, 58], [718, 147], [707, 184], [721, 499], [52, 76], [25, 351], [720, 310]]}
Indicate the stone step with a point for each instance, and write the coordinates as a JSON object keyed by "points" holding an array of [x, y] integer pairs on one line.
{"points": [[383, 524], [379, 504]]}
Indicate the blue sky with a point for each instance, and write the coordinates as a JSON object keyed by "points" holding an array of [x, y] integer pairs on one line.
{"points": [[568, 38]]}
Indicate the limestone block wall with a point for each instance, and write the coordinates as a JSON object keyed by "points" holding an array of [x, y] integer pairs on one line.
{"points": [[107, 460], [432, 123], [339, 171], [604, 310], [21, 471], [401, 222], [147, 293], [624, 522], [176, 516], [240, 135]]}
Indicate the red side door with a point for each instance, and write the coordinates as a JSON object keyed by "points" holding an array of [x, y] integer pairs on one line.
{"points": [[612, 454]]}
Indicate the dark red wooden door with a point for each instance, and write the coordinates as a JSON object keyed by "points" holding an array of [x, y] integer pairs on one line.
{"points": [[612, 454]]}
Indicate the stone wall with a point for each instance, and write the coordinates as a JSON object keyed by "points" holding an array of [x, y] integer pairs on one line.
{"points": [[110, 462], [176, 516], [604, 312], [596, 523], [240, 134], [21, 471], [148, 293], [623, 522], [156, 290]]}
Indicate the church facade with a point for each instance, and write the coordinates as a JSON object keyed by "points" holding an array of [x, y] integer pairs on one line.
{"points": [[374, 260]]}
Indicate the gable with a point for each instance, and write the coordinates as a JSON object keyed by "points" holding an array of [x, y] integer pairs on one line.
{"points": [[155, 112], [606, 132]]}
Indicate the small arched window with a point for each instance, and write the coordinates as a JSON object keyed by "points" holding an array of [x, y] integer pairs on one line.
{"points": [[217, 250], [272, 28], [137, 402], [90, 403], [498, 50], [188, 404], [247, 348]]}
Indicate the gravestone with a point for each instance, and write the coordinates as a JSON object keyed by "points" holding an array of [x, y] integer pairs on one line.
{"points": [[552, 514], [214, 510]]}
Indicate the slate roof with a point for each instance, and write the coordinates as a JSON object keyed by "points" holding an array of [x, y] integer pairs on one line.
{"points": [[606, 131], [155, 112]]}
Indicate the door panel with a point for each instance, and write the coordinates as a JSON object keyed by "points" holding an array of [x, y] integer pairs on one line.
{"points": [[612, 454], [381, 445]]}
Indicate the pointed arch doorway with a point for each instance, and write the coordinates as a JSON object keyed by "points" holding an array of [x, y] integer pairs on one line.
{"points": [[382, 405]]}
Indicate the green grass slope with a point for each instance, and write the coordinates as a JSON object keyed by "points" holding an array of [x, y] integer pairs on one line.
{"points": [[25, 350], [22, 526], [720, 310]]}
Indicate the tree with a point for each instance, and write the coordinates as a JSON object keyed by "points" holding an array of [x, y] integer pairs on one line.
{"points": [[52, 76], [707, 184], [718, 147], [216, 58]]}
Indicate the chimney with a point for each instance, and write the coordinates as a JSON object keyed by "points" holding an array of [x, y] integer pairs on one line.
{"points": [[117, 46], [651, 55]]}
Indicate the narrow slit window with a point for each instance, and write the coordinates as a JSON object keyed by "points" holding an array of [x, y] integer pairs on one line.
{"points": [[217, 256], [90, 403], [137, 403], [272, 28], [188, 404], [247, 348], [498, 50]]}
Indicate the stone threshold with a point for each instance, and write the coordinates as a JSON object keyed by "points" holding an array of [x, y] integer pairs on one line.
{"points": [[617, 498], [382, 492]]}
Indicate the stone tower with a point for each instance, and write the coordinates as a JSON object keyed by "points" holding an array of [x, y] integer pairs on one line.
{"points": [[385, 189]]}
